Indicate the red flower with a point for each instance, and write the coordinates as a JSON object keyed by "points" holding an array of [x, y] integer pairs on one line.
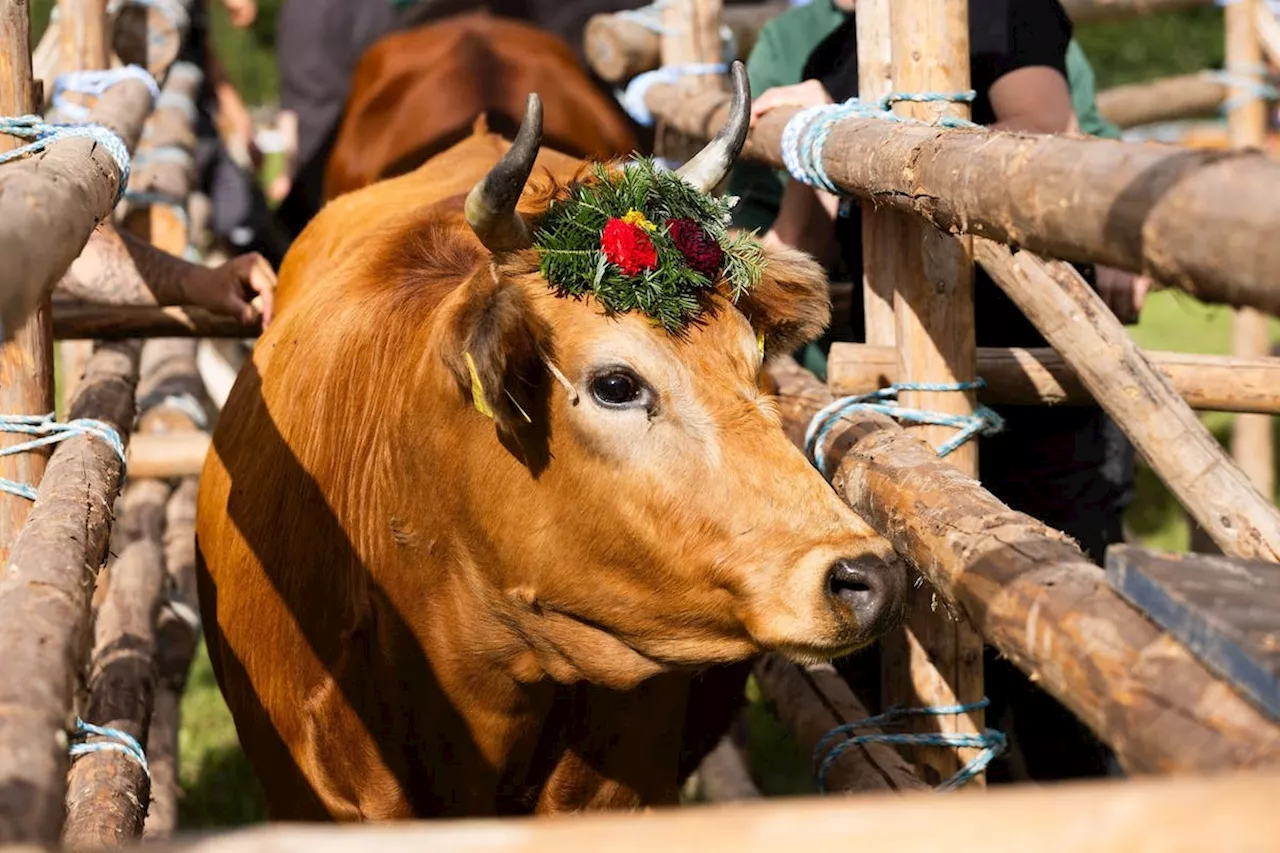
{"points": [[628, 247], [701, 251]]}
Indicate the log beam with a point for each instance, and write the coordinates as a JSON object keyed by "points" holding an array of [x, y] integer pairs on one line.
{"points": [[1169, 99], [44, 602], [1235, 812], [813, 700], [1039, 376], [1075, 320], [108, 792], [1197, 220], [79, 321], [1037, 598]]}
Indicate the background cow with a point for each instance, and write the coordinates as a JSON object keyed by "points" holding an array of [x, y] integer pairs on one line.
{"points": [[415, 610], [418, 92]]}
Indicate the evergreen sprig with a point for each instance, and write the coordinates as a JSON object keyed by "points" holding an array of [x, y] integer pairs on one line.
{"points": [[572, 261]]}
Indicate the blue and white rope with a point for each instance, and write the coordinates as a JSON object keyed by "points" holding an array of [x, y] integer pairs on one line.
{"points": [[115, 740], [43, 134], [983, 421], [170, 100], [96, 83], [990, 741], [1248, 83], [632, 99], [48, 431], [805, 135]]}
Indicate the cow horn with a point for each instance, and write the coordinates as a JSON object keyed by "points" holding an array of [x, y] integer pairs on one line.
{"points": [[491, 204], [710, 165]]}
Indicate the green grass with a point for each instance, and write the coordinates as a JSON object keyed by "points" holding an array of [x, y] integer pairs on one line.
{"points": [[218, 786]]}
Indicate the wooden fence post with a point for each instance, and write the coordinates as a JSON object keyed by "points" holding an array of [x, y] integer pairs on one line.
{"points": [[882, 230], [83, 42], [26, 363], [937, 660], [691, 36], [1251, 441]]}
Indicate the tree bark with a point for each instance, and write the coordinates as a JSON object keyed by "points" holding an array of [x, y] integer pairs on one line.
{"points": [[1201, 221], [1036, 377]]}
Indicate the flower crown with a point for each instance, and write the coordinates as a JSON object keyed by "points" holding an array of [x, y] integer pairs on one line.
{"points": [[641, 239]]}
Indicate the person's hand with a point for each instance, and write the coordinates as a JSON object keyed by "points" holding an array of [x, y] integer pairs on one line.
{"points": [[1124, 292], [810, 93], [241, 12], [223, 290], [279, 188]]}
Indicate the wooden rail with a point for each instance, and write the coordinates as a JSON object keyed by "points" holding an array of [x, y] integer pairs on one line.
{"points": [[1036, 598], [1028, 377], [1168, 99], [1235, 812], [44, 601], [1201, 221]]}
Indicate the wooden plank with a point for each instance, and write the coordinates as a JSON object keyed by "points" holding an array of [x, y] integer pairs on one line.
{"points": [[1198, 220], [1079, 325], [1226, 611], [936, 660], [1039, 376], [1036, 598], [1235, 813], [1251, 440]]}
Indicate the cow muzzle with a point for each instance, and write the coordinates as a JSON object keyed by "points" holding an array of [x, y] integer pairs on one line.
{"points": [[869, 595]]}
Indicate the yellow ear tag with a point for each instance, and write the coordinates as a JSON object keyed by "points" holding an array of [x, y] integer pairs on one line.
{"points": [[760, 343], [477, 390]]}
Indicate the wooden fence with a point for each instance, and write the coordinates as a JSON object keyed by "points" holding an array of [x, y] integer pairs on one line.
{"points": [[114, 648]]}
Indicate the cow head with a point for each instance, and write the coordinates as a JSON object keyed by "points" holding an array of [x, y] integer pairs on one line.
{"points": [[665, 519]]}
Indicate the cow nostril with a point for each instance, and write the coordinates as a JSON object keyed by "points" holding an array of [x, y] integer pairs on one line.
{"points": [[874, 592]]}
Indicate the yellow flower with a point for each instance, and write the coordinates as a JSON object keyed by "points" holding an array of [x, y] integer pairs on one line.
{"points": [[635, 217]]}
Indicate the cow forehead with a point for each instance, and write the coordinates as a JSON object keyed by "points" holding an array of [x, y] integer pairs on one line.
{"points": [[721, 344]]}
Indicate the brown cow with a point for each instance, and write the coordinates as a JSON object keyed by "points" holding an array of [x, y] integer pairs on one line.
{"points": [[414, 610], [417, 92]]}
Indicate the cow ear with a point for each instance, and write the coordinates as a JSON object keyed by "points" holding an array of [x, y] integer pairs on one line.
{"points": [[497, 348], [791, 304]]}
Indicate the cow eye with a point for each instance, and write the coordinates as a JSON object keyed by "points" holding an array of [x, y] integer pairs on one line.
{"points": [[618, 389]]}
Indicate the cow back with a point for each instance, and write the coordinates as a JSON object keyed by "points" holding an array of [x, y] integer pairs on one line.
{"points": [[418, 92]]}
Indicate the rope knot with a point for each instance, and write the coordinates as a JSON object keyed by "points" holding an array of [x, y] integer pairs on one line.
{"points": [[983, 421]]}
